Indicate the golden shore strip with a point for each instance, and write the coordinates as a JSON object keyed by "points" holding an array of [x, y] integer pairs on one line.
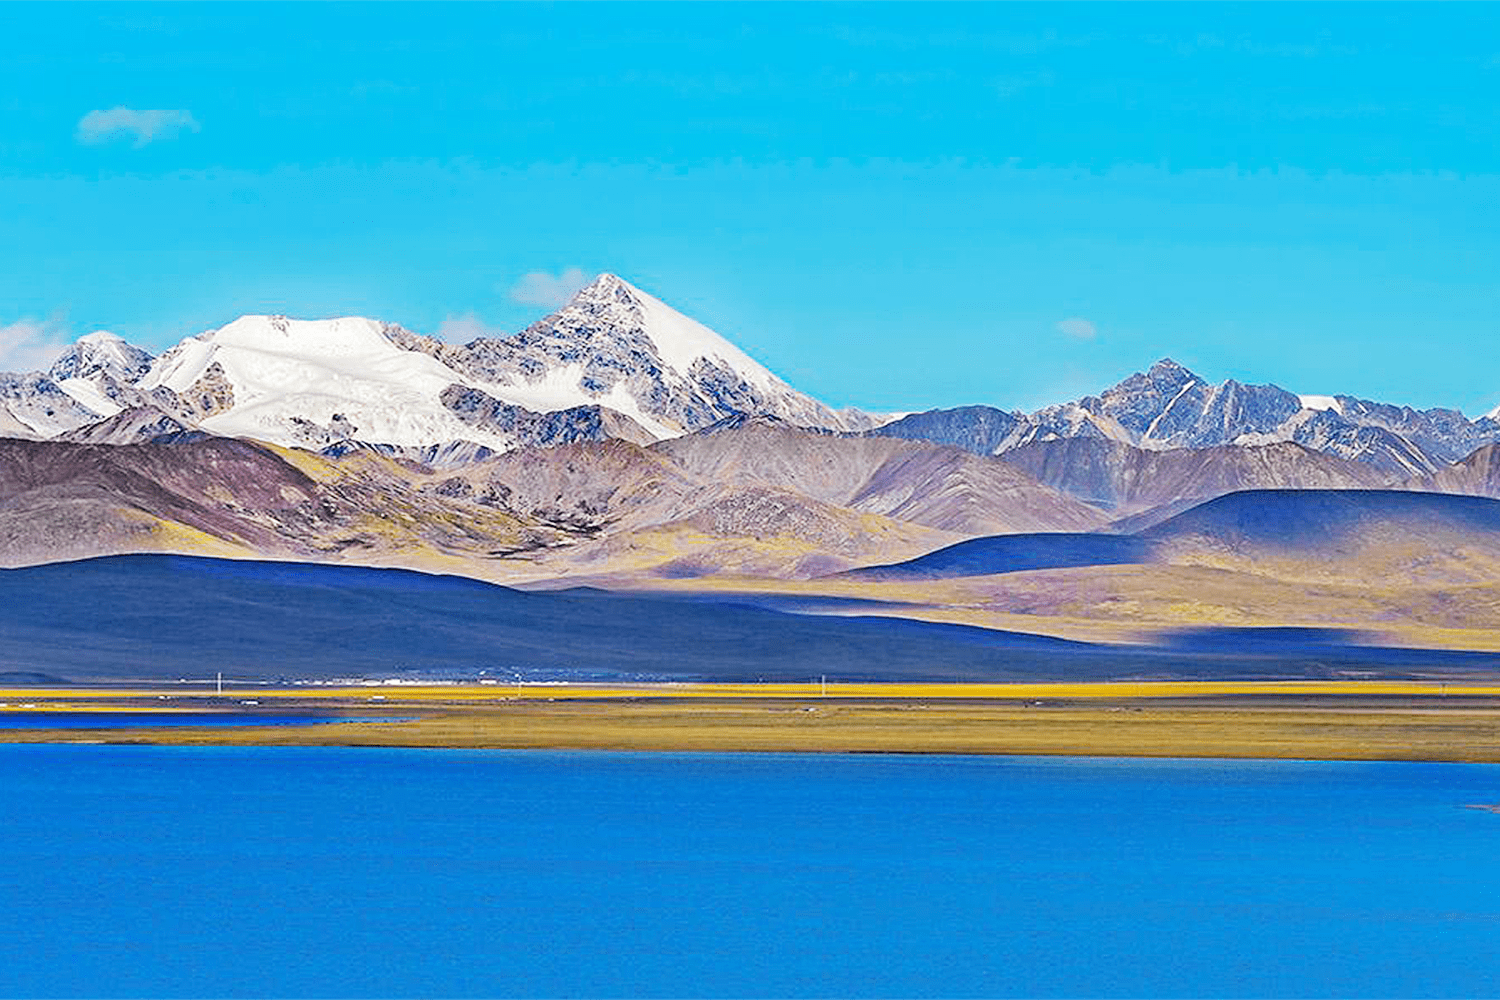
{"points": [[1334, 720]]}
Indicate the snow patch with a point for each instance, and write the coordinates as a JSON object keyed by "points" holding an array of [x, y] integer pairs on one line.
{"points": [[1321, 403], [88, 394], [559, 389], [681, 341]]}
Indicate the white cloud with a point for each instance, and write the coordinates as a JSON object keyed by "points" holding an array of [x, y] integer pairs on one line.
{"points": [[144, 125], [27, 346], [542, 289], [464, 328], [1078, 328]]}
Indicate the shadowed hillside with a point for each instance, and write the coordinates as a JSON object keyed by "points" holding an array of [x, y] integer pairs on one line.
{"points": [[161, 616], [1012, 554], [1370, 536], [169, 617], [1366, 537]]}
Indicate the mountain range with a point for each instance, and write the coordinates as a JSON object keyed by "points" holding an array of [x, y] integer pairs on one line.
{"points": [[622, 444], [618, 363], [614, 363]]}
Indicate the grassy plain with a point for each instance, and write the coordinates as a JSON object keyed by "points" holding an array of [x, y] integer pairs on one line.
{"points": [[1137, 603], [1315, 720]]}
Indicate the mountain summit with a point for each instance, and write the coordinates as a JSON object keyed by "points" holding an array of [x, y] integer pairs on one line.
{"points": [[1170, 407], [617, 362], [620, 347], [614, 362]]}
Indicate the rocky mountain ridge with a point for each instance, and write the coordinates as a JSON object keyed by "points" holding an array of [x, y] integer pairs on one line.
{"points": [[614, 362], [706, 503], [1169, 408], [617, 363]]}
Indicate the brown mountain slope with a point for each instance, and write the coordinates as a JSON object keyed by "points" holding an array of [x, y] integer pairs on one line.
{"points": [[747, 496], [639, 510], [1477, 474], [746, 531], [67, 500], [131, 426], [765, 452], [1129, 480], [969, 495], [596, 507], [933, 485], [1377, 538], [588, 486]]}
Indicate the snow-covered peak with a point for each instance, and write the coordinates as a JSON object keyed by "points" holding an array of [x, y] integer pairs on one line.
{"points": [[680, 341], [303, 381], [1167, 370], [614, 351], [302, 351], [101, 351], [618, 346], [341, 337]]}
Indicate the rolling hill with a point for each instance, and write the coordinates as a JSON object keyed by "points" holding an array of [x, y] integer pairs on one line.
{"points": [[165, 618]]}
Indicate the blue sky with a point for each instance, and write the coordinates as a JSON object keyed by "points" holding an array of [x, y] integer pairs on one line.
{"points": [[891, 206]]}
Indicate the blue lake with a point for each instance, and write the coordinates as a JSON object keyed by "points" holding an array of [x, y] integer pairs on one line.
{"points": [[159, 871], [40, 719]]}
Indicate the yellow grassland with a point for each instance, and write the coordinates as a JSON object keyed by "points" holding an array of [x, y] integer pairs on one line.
{"points": [[1085, 690], [1136, 603], [174, 536], [1380, 720], [1303, 728]]}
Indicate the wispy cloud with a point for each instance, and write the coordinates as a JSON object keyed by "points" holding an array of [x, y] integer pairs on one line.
{"points": [[30, 345], [551, 291], [144, 126], [1077, 328], [466, 327]]}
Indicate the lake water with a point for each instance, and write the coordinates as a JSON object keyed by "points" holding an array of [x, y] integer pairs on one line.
{"points": [[159, 871], [41, 719]]}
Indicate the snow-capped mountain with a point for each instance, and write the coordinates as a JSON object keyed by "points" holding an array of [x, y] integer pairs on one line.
{"points": [[1170, 407], [618, 347], [101, 353], [617, 362], [99, 371], [312, 383], [614, 362], [93, 380], [33, 405]]}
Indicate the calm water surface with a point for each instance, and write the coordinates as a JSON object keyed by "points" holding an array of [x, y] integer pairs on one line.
{"points": [[158, 871], [41, 719]]}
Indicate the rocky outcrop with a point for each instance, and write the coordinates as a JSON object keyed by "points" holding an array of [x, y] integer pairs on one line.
{"points": [[210, 394], [38, 403], [531, 429], [978, 429]]}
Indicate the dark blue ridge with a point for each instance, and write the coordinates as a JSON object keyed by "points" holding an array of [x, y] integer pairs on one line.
{"points": [[165, 616], [1292, 519], [1014, 553], [145, 617]]}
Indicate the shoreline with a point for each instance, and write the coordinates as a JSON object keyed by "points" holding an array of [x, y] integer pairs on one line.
{"points": [[1274, 721]]}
